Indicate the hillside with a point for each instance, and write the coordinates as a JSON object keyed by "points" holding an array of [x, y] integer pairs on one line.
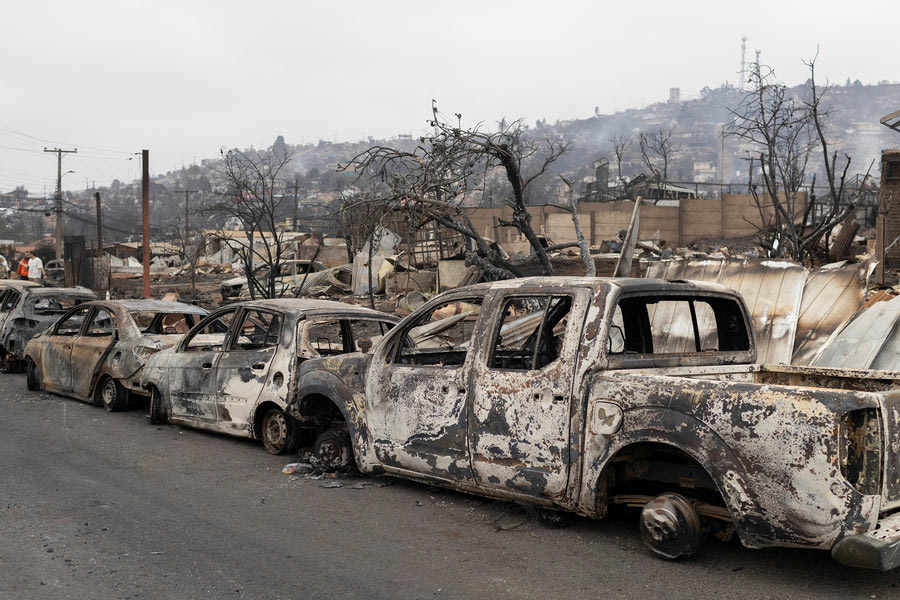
{"points": [[700, 154]]}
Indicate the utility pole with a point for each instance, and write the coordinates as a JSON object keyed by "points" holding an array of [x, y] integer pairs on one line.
{"points": [[99, 226], [192, 258], [187, 218], [187, 224], [145, 209], [59, 227]]}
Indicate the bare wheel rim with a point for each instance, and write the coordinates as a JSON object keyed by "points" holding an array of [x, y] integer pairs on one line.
{"points": [[108, 394], [331, 451], [274, 429]]}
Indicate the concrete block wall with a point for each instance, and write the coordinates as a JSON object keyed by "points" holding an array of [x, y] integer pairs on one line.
{"points": [[736, 215]]}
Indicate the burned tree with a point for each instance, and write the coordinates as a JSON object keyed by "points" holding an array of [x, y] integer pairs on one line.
{"points": [[787, 131], [431, 181], [656, 153], [253, 197], [621, 144]]}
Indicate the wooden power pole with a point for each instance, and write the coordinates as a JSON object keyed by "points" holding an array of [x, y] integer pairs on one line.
{"points": [[99, 226], [145, 209]]}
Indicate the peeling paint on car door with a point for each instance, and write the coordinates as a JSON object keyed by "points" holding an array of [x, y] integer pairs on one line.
{"points": [[522, 385], [242, 370], [56, 353], [90, 348], [192, 384], [419, 393]]}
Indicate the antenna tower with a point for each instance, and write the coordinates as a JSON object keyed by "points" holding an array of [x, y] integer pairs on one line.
{"points": [[743, 61]]}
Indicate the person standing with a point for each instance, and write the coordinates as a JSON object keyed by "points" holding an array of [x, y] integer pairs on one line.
{"points": [[35, 268], [4, 267], [22, 268]]}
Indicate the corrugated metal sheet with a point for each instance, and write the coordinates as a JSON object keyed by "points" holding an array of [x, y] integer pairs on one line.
{"points": [[832, 294], [871, 340]]}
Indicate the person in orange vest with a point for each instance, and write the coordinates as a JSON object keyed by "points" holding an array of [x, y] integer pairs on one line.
{"points": [[22, 269]]}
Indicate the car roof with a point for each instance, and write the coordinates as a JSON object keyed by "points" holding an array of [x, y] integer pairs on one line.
{"points": [[153, 306], [315, 308], [626, 284], [57, 291]]}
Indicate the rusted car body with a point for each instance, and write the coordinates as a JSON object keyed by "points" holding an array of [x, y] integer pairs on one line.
{"points": [[19, 283], [582, 394], [26, 311], [232, 373], [96, 351]]}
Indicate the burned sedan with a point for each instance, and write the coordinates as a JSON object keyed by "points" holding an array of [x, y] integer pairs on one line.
{"points": [[232, 373], [96, 351], [26, 311]]}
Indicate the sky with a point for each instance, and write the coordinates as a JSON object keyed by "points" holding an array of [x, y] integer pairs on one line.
{"points": [[184, 79]]}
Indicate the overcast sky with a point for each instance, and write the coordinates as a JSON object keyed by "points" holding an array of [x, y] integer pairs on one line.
{"points": [[184, 79]]}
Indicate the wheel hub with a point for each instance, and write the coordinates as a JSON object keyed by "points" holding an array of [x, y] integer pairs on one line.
{"points": [[670, 526]]}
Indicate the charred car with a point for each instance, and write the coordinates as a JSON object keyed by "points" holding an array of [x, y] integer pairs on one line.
{"points": [[292, 273], [26, 311], [96, 351], [586, 394], [232, 372]]}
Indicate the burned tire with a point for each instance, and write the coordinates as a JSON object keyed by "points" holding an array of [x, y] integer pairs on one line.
{"points": [[111, 395], [278, 432], [332, 449], [33, 376], [11, 365], [159, 412], [670, 526]]}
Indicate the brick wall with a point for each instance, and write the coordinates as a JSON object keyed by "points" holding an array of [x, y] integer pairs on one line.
{"points": [[889, 207]]}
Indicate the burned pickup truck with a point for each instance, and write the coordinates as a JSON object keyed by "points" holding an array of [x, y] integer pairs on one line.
{"points": [[585, 394]]}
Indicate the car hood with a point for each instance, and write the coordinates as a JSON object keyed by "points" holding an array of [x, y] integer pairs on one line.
{"points": [[234, 281]]}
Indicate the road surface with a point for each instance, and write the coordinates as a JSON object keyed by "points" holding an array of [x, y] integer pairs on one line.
{"points": [[99, 505]]}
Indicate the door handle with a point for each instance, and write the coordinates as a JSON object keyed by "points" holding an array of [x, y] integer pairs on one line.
{"points": [[538, 396], [258, 366], [207, 365]]}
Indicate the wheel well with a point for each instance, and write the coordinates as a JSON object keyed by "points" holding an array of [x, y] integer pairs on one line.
{"points": [[99, 382], [649, 469], [261, 410], [318, 413]]}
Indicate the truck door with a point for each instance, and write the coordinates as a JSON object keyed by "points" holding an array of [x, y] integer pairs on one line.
{"points": [[417, 392], [521, 387]]}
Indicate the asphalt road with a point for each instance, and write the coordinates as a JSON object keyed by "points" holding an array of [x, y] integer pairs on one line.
{"points": [[96, 505]]}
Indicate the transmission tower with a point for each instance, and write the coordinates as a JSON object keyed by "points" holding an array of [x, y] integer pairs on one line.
{"points": [[743, 61]]}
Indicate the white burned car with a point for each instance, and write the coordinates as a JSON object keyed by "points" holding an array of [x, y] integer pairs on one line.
{"points": [[26, 311], [96, 351], [292, 273], [232, 373]]}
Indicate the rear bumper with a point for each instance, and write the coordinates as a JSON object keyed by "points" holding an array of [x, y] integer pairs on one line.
{"points": [[878, 549]]}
